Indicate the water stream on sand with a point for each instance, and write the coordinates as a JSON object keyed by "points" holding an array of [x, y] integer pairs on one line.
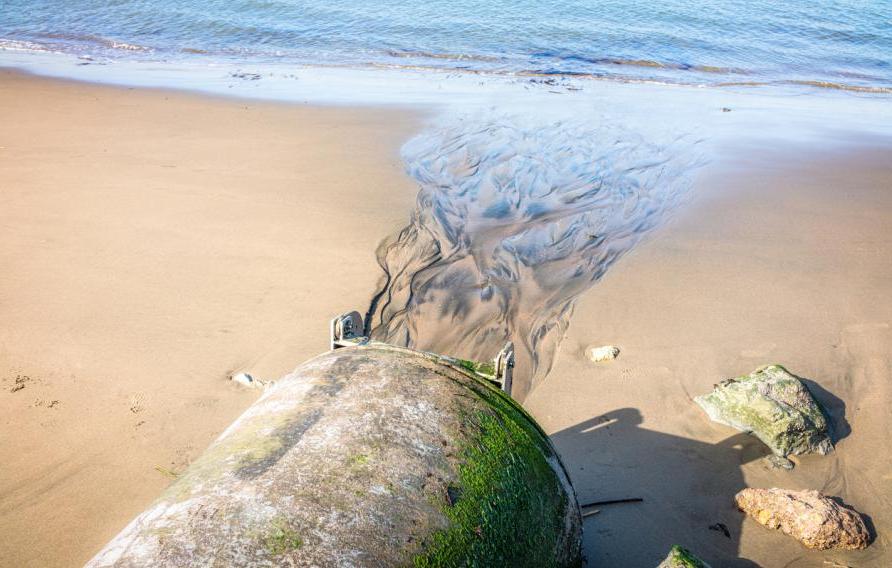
{"points": [[515, 219]]}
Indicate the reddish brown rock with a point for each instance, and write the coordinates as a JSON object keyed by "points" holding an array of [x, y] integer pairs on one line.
{"points": [[808, 516]]}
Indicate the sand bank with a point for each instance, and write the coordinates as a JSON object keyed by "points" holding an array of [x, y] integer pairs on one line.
{"points": [[782, 256], [151, 244]]}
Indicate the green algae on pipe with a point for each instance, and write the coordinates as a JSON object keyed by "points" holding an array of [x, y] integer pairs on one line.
{"points": [[680, 557], [367, 456]]}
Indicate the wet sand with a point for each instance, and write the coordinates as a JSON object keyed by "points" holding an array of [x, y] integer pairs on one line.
{"points": [[515, 219], [152, 243], [782, 256]]}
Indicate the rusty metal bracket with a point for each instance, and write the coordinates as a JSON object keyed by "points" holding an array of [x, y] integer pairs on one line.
{"points": [[504, 367], [346, 330]]}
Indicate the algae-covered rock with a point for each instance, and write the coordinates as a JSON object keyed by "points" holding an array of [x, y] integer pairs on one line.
{"points": [[808, 516], [680, 557], [773, 405], [367, 456]]}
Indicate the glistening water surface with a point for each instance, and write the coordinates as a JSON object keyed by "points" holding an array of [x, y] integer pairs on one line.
{"points": [[832, 43]]}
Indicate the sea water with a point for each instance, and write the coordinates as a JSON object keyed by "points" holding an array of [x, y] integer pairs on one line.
{"points": [[841, 44]]}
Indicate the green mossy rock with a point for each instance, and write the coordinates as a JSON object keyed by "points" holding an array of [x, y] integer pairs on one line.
{"points": [[682, 558], [773, 405], [371, 455]]}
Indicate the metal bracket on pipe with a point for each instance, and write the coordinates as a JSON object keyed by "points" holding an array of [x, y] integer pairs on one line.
{"points": [[346, 331], [504, 367]]}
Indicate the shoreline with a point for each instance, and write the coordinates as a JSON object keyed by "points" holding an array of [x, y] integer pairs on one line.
{"points": [[782, 111], [699, 75], [134, 333]]}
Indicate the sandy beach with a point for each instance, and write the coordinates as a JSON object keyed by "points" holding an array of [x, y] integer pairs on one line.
{"points": [[154, 243]]}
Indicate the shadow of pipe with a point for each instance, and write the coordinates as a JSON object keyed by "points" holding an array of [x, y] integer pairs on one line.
{"points": [[688, 486]]}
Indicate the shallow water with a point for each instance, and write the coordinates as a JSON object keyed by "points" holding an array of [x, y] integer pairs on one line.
{"points": [[515, 219], [837, 43]]}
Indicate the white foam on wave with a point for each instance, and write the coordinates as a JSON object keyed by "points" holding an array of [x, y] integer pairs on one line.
{"points": [[25, 46]]}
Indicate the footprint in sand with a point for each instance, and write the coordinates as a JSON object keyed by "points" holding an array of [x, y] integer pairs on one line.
{"points": [[137, 403], [21, 381]]}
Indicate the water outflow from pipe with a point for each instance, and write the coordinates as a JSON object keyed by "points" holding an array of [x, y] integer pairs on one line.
{"points": [[514, 220]]}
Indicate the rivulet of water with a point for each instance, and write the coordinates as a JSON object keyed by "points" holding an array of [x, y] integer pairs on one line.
{"points": [[514, 220]]}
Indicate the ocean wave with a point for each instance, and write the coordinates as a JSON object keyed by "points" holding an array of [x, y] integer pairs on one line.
{"points": [[643, 63], [92, 39], [22, 45], [439, 55], [838, 86]]}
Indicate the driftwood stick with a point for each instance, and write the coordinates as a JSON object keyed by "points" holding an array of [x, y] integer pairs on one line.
{"points": [[614, 502]]}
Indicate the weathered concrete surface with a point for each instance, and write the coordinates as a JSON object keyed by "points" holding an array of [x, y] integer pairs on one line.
{"points": [[773, 405], [366, 456], [680, 557], [808, 516]]}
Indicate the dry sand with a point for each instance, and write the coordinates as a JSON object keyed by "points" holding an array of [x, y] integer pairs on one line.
{"points": [[783, 256], [151, 244]]}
